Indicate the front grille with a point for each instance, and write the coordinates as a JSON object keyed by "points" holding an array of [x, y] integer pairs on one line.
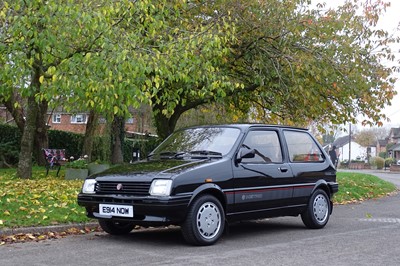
{"points": [[128, 188]]}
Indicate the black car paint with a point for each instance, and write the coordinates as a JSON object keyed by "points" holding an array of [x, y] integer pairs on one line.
{"points": [[245, 191]]}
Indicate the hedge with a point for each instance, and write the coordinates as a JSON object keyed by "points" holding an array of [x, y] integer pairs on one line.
{"points": [[10, 138]]}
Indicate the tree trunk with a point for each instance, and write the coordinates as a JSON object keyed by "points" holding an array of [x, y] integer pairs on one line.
{"points": [[25, 156], [89, 134], [165, 125], [117, 137], [41, 136], [15, 110]]}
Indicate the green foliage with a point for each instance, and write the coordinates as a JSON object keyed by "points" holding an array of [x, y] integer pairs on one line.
{"points": [[77, 164], [9, 133], [9, 144], [389, 161], [143, 145], [101, 149], [377, 162], [71, 142], [383, 154], [9, 152], [274, 58]]}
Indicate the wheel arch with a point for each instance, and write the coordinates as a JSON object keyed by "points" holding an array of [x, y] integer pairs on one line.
{"points": [[322, 184], [210, 189]]}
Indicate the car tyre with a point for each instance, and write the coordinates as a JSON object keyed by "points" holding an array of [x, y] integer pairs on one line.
{"points": [[205, 221], [116, 227], [318, 210]]}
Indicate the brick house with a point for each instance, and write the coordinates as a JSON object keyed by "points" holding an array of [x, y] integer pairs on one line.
{"points": [[140, 122], [394, 138]]}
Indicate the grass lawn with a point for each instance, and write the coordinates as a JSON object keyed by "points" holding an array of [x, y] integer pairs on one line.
{"points": [[355, 187], [39, 201], [52, 200]]}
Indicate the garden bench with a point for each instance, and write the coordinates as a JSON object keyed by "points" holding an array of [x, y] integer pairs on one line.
{"points": [[54, 159]]}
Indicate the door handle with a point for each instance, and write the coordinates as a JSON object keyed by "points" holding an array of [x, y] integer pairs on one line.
{"points": [[283, 169]]}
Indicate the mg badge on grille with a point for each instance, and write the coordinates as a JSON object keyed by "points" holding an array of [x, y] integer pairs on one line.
{"points": [[119, 187]]}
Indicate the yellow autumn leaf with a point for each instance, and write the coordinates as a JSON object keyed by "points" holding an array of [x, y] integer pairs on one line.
{"points": [[41, 79], [22, 208], [6, 213]]}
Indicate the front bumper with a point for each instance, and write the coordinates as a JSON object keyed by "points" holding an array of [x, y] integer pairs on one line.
{"points": [[148, 211]]}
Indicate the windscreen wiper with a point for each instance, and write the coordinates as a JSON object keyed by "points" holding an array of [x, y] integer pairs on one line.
{"points": [[206, 153], [171, 154]]}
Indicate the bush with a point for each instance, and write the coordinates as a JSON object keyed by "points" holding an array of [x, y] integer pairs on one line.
{"points": [[377, 162], [71, 142], [10, 138], [389, 161], [383, 154], [144, 146], [101, 149]]}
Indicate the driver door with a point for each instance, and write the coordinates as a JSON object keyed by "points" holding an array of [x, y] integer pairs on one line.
{"points": [[262, 182]]}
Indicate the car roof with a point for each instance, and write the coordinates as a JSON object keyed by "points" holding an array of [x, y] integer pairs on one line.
{"points": [[245, 126]]}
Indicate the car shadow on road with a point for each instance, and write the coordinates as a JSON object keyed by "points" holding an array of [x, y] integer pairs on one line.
{"points": [[171, 236]]}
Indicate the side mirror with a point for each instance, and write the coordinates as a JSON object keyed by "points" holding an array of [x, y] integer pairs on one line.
{"points": [[245, 153]]}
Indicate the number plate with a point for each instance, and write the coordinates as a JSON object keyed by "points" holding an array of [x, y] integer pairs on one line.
{"points": [[116, 210]]}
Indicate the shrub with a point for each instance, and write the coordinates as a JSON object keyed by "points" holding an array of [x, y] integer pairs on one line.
{"points": [[10, 138], [389, 161], [71, 142], [77, 164], [383, 154], [377, 162]]}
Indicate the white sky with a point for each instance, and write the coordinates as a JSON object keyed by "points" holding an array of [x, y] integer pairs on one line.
{"points": [[389, 21]]}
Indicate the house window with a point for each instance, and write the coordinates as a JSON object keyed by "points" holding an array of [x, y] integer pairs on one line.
{"points": [[79, 119], [56, 118]]}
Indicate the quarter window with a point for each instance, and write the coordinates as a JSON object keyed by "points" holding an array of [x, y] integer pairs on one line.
{"points": [[302, 147]]}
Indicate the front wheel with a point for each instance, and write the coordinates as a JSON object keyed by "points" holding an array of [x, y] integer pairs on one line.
{"points": [[205, 221], [318, 210], [116, 227]]}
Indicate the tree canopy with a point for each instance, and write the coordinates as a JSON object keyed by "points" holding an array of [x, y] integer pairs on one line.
{"points": [[275, 61]]}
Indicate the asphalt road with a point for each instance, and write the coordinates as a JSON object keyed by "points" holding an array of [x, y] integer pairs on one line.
{"points": [[357, 234]]}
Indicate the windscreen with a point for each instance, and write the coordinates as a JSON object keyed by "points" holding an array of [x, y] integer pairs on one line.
{"points": [[205, 140]]}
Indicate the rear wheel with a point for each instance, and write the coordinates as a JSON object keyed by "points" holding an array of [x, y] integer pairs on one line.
{"points": [[116, 227], [205, 221], [318, 210]]}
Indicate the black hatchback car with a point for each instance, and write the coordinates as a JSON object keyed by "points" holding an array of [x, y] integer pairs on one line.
{"points": [[203, 178]]}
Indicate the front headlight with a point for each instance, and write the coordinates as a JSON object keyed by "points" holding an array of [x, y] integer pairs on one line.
{"points": [[160, 187], [88, 186]]}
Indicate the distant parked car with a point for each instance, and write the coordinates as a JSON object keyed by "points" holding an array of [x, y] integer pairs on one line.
{"points": [[398, 162], [203, 178]]}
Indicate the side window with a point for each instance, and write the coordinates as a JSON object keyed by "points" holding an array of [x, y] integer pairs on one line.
{"points": [[267, 147], [302, 147]]}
